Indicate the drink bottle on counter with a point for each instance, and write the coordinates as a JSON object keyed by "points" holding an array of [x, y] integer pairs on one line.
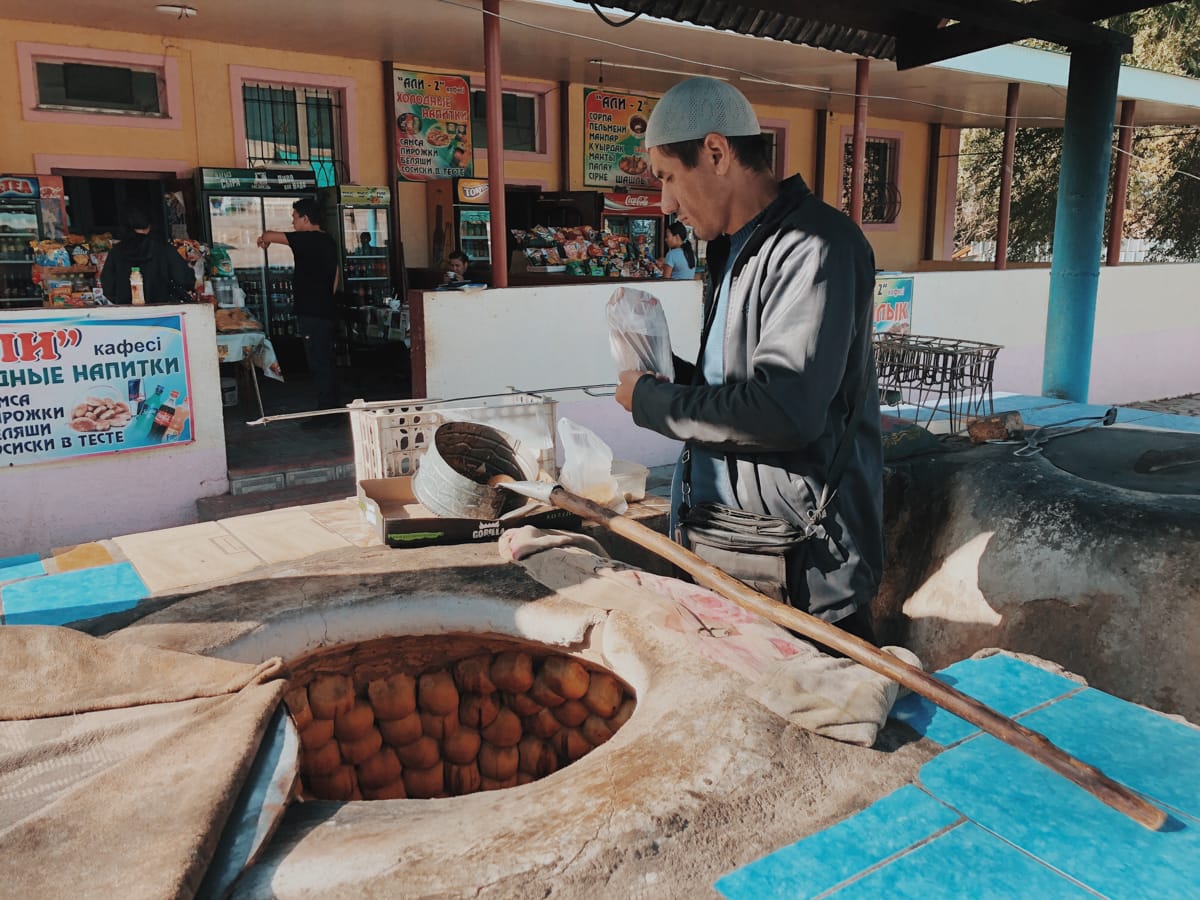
{"points": [[135, 287], [163, 417]]}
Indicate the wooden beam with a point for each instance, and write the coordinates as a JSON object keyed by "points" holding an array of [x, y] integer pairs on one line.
{"points": [[1006, 174], [920, 48], [862, 76], [933, 167], [1116, 220]]}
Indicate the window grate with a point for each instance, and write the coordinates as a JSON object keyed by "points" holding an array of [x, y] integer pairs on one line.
{"points": [[881, 192], [295, 126]]}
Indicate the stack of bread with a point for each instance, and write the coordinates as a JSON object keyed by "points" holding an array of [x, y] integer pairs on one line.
{"points": [[485, 722]]}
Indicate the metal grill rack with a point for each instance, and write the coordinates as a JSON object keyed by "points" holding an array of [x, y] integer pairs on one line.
{"points": [[933, 375]]}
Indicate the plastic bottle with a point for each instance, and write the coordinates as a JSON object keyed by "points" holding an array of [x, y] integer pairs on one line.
{"points": [[178, 421], [135, 287], [164, 416]]}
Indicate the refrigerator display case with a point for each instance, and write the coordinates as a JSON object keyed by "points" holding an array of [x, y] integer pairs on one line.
{"points": [[638, 217], [359, 220], [237, 205], [459, 219], [20, 202]]}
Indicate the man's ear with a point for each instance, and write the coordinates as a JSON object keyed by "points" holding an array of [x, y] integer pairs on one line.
{"points": [[717, 150]]}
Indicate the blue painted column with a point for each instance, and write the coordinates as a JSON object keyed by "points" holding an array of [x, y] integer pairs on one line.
{"points": [[1079, 221]]}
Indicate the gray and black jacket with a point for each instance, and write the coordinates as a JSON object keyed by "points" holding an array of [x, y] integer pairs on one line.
{"points": [[797, 349]]}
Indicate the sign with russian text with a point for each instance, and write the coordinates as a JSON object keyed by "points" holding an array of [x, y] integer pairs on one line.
{"points": [[433, 126], [893, 304], [359, 195], [14, 186], [81, 386], [614, 143], [256, 180]]}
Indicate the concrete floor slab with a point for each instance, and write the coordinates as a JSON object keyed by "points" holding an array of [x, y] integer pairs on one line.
{"points": [[283, 534], [345, 518], [191, 555]]}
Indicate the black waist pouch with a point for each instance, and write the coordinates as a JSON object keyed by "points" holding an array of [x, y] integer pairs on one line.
{"points": [[756, 550]]}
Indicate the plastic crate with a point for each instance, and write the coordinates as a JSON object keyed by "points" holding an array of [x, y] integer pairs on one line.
{"points": [[390, 439]]}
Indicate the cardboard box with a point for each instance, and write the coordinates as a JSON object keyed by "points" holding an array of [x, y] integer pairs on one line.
{"points": [[390, 506]]}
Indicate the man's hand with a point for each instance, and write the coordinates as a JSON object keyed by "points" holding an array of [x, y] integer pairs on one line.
{"points": [[262, 242], [626, 382]]}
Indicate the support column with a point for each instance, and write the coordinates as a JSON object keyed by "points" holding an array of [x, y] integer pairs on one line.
{"points": [[1116, 220], [862, 71], [494, 87], [1079, 222], [933, 166], [1006, 174]]}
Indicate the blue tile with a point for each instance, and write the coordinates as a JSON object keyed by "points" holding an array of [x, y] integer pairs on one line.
{"points": [[1021, 402], [14, 568], [822, 861], [1053, 415], [1133, 745], [1007, 685], [1064, 826], [1171, 423], [72, 596], [964, 862]]}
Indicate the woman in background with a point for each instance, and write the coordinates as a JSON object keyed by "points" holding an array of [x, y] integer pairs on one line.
{"points": [[680, 262]]}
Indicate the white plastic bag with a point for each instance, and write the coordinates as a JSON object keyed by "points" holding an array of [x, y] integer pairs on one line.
{"points": [[637, 332], [587, 466]]}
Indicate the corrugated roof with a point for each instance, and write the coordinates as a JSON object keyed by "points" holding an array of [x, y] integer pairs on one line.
{"points": [[743, 18], [912, 32]]}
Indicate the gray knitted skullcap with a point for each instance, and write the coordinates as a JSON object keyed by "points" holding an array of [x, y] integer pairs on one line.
{"points": [[697, 107]]}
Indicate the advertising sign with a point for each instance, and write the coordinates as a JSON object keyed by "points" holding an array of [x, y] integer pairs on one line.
{"points": [[633, 205], [893, 303], [471, 190], [358, 195], [15, 186], [433, 126], [73, 387], [614, 145], [255, 180]]}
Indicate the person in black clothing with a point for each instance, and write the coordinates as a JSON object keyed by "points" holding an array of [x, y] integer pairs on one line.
{"points": [[166, 276], [313, 284]]}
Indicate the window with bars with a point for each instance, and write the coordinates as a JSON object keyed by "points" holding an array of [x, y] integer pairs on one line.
{"points": [[521, 125], [295, 126], [881, 190]]}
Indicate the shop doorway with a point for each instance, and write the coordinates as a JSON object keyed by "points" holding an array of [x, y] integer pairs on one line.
{"points": [[97, 204]]}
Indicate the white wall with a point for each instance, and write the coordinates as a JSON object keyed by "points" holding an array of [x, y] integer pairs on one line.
{"points": [[1146, 338], [55, 504], [1146, 335], [539, 338]]}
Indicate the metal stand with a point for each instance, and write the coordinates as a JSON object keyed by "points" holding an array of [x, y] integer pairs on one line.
{"points": [[936, 375]]}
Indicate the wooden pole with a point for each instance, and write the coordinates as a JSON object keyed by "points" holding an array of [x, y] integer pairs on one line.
{"points": [[862, 71], [999, 726], [1116, 221], [494, 89], [1006, 174]]}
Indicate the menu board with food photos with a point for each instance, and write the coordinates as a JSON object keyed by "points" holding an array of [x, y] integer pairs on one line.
{"points": [[74, 386], [614, 150], [433, 126]]}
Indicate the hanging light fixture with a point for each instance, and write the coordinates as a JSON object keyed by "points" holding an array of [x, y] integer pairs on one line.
{"points": [[179, 12]]}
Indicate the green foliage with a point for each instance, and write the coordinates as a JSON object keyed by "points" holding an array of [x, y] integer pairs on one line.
{"points": [[1164, 196]]}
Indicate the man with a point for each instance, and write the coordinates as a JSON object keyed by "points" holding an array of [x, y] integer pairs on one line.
{"points": [[313, 283], [786, 372], [457, 265], [166, 276]]}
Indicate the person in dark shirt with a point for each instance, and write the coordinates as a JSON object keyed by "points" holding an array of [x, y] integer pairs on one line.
{"points": [[313, 284], [166, 276]]}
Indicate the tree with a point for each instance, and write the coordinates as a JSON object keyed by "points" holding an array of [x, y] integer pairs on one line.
{"points": [[1164, 190]]}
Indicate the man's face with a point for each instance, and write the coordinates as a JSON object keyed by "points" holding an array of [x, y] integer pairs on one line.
{"points": [[694, 194], [458, 267]]}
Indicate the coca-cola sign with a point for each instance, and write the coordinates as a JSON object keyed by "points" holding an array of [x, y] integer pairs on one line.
{"points": [[633, 204]]}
